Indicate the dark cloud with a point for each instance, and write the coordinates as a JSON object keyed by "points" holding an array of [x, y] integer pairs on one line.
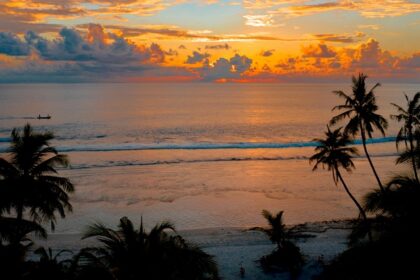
{"points": [[223, 68], [411, 62], [370, 55], [10, 44], [318, 51], [266, 68], [171, 52], [241, 63], [339, 38], [335, 64], [287, 65], [218, 47], [267, 53], [72, 46], [197, 57], [157, 55], [76, 56]]}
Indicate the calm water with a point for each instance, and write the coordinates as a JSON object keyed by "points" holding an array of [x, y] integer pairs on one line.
{"points": [[201, 155]]}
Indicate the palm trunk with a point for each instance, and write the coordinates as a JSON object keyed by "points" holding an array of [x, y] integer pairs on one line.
{"points": [[362, 132], [19, 217], [413, 157], [19, 211], [279, 247], [362, 211]]}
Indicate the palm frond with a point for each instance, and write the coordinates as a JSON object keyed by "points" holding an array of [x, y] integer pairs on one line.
{"points": [[13, 230]]}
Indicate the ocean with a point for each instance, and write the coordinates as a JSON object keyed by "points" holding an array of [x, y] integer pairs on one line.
{"points": [[201, 155]]}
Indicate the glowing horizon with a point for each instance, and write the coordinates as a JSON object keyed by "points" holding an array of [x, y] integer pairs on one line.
{"points": [[213, 41]]}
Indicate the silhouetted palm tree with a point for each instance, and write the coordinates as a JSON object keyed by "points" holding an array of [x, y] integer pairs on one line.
{"points": [[287, 254], [411, 118], [29, 181], [50, 266], [15, 244], [276, 232], [135, 254], [396, 209], [15, 231], [360, 108], [407, 156], [401, 198], [334, 153]]}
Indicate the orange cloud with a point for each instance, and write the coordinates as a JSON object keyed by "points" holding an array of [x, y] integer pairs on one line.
{"points": [[320, 51], [197, 36], [93, 53], [340, 38], [367, 8], [322, 61]]}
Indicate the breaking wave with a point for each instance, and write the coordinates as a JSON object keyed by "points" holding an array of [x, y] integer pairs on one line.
{"points": [[194, 146]]}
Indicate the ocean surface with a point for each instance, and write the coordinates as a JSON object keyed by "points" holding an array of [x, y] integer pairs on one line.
{"points": [[200, 155]]}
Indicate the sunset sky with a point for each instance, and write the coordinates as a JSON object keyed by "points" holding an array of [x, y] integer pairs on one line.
{"points": [[211, 41]]}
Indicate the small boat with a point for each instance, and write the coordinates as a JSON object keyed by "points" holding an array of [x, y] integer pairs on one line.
{"points": [[47, 117]]}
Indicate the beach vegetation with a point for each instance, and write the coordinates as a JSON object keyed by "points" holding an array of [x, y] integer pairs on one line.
{"points": [[334, 152], [286, 256], [129, 253], [360, 109]]}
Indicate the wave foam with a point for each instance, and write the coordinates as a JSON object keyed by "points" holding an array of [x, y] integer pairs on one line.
{"points": [[208, 160], [195, 146]]}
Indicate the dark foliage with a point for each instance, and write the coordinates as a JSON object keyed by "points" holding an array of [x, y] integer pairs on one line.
{"points": [[286, 256], [128, 253]]}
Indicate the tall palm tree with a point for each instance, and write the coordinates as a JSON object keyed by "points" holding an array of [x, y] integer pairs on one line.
{"points": [[28, 180], [334, 153], [411, 118], [360, 108], [135, 254]]}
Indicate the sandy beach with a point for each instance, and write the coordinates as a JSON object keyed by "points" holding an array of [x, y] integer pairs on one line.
{"points": [[233, 247]]}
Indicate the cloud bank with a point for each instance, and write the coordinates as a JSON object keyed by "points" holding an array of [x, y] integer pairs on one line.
{"points": [[92, 53]]}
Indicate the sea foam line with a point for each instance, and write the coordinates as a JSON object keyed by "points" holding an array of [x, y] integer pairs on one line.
{"points": [[196, 146], [208, 160]]}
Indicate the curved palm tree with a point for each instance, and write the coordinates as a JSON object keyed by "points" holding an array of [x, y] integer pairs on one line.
{"points": [[411, 118], [135, 254], [29, 184], [360, 108], [333, 152]]}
